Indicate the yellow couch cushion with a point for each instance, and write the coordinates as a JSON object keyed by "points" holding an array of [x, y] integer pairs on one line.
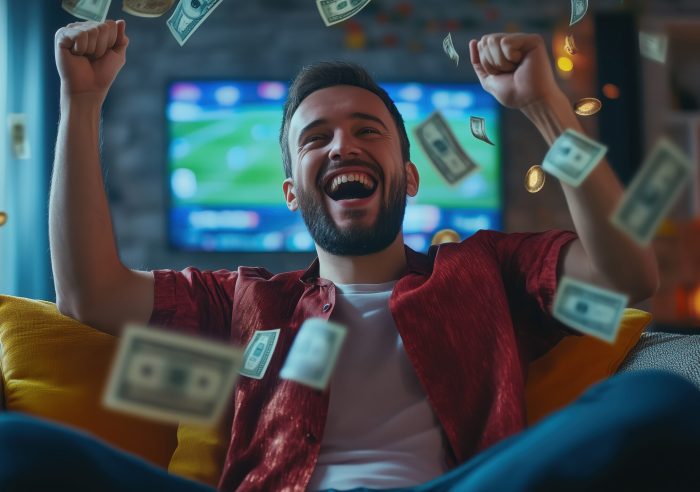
{"points": [[55, 367], [567, 370], [201, 452]]}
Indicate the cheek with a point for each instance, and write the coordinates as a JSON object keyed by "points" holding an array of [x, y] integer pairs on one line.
{"points": [[308, 169]]}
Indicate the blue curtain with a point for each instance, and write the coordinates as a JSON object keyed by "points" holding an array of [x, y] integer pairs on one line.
{"points": [[28, 84]]}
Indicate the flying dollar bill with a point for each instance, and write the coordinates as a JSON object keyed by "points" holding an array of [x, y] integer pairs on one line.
{"points": [[188, 16], [335, 11], [478, 127], [652, 192], [589, 309], [94, 10], [443, 149], [578, 10], [147, 8], [171, 377], [19, 138], [653, 46], [258, 353], [449, 48], [573, 157], [313, 354]]}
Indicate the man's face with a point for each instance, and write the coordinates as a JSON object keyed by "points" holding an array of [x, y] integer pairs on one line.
{"points": [[348, 176]]}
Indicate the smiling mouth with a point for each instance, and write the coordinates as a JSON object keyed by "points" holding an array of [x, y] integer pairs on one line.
{"points": [[351, 185]]}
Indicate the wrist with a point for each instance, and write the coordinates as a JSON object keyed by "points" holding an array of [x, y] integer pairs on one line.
{"points": [[552, 115], [83, 101]]}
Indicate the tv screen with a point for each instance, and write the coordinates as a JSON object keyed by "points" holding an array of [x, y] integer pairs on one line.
{"points": [[225, 170]]}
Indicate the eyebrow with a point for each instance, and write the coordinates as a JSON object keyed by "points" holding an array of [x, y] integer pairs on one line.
{"points": [[371, 117], [356, 116]]}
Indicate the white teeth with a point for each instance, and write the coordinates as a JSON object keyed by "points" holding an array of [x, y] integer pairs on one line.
{"points": [[344, 178]]}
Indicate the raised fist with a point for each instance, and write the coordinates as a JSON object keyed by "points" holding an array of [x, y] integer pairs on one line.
{"points": [[89, 56], [514, 68]]}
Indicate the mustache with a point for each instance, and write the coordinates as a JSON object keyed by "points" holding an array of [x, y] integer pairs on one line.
{"points": [[336, 165]]}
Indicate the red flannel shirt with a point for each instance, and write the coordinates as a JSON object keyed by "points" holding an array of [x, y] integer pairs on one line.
{"points": [[472, 316]]}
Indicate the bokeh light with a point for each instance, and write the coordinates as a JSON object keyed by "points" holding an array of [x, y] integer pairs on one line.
{"points": [[611, 91], [565, 64], [694, 302]]}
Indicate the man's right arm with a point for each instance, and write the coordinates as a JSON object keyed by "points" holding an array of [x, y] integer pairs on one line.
{"points": [[92, 284]]}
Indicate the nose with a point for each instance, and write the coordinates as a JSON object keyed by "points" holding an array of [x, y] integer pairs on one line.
{"points": [[343, 146]]}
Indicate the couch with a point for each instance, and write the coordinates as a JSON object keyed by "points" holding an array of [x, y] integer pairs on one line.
{"points": [[54, 367]]}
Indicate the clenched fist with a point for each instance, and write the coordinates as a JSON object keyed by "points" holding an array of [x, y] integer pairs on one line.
{"points": [[514, 68], [89, 56]]}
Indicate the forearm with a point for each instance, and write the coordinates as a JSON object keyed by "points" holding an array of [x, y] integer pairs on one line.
{"points": [[83, 251], [614, 257]]}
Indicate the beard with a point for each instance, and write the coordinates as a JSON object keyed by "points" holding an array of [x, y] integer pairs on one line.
{"points": [[356, 240]]}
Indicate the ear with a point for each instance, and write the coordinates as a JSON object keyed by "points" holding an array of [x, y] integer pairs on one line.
{"points": [[412, 179], [290, 195]]}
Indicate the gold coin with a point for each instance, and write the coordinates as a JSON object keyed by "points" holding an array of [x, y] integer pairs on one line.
{"points": [[3, 218], [445, 236], [534, 179], [570, 45], [587, 106]]}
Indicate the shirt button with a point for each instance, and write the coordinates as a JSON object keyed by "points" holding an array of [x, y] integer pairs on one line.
{"points": [[310, 437], [326, 307]]}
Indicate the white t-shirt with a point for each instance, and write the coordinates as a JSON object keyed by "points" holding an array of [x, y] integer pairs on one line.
{"points": [[380, 431]]}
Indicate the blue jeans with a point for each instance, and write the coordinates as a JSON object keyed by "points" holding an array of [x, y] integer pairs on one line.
{"points": [[635, 431]]}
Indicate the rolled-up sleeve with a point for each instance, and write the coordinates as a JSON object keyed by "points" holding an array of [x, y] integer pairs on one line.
{"points": [[530, 263], [195, 302]]}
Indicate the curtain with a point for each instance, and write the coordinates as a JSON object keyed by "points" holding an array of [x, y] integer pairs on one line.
{"points": [[26, 52]]}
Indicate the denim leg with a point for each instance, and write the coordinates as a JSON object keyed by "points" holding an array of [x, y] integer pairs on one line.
{"points": [[39, 455], [635, 431]]}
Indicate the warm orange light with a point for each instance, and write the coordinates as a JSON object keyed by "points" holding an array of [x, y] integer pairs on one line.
{"points": [[611, 91], [565, 64], [694, 302]]}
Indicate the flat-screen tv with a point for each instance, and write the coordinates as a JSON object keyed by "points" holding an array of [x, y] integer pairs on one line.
{"points": [[225, 174]]}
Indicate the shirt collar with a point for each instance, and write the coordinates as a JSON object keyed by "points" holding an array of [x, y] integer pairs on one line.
{"points": [[415, 263]]}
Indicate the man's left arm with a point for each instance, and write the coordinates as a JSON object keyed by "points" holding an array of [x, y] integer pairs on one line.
{"points": [[516, 70]]}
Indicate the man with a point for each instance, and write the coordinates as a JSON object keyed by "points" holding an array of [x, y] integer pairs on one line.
{"points": [[431, 376]]}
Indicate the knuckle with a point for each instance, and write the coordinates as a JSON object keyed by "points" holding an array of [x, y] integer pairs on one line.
{"points": [[506, 44]]}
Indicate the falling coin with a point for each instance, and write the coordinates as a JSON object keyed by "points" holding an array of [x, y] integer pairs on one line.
{"points": [[587, 106], [3, 218], [445, 236], [534, 179], [570, 45]]}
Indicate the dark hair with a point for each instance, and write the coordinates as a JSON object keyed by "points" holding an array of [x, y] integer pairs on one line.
{"points": [[328, 74]]}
